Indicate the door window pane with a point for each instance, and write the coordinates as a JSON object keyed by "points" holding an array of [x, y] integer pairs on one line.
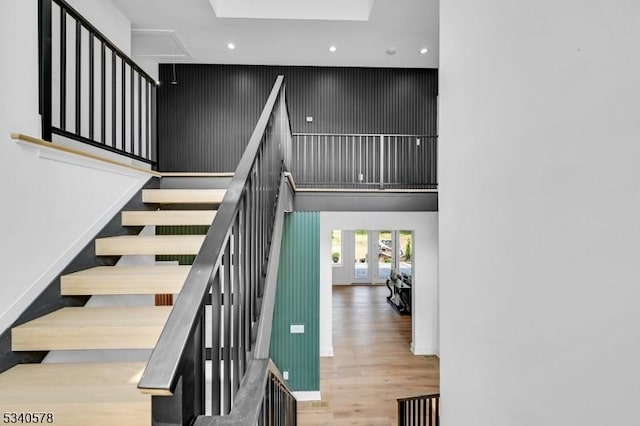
{"points": [[336, 247], [361, 252], [406, 252], [385, 253]]}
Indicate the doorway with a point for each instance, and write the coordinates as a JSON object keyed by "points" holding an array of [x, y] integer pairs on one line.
{"points": [[378, 252]]}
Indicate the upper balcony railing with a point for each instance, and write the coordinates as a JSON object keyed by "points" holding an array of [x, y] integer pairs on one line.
{"points": [[364, 161], [91, 91]]}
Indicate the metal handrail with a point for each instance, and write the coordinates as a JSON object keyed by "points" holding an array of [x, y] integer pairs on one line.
{"points": [[366, 134], [161, 374]]}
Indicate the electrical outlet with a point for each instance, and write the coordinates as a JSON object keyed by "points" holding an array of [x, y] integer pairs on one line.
{"points": [[418, 142], [309, 119], [285, 375], [296, 329], [360, 177]]}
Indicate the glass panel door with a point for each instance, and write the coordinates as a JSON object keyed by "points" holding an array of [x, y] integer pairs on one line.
{"points": [[386, 256], [361, 256], [405, 251]]}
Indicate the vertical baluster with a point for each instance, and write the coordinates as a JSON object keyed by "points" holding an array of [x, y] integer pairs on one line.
{"points": [[123, 103], [236, 303], [139, 114], [147, 114], [91, 84], [226, 348], [153, 127], [215, 344], [78, 77], [199, 358], [246, 260], [132, 112], [114, 109], [45, 25], [242, 307], [103, 93], [63, 69]]}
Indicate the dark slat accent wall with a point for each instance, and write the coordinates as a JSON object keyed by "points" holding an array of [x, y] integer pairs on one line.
{"points": [[206, 119]]}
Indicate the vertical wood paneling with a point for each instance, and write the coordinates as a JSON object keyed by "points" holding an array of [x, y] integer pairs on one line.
{"points": [[205, 120], [298, 302]]}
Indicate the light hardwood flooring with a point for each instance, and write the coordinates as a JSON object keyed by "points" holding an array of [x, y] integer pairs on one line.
{"points": [[372, 365]]}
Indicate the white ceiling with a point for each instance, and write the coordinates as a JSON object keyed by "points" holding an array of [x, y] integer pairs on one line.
{"points": [[190, 31]]}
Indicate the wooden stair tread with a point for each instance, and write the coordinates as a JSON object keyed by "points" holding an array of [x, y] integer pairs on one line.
{"points": [[78, 394], [130, 327], [183, 196], [149, 244], [134, 279], [168, 217]]}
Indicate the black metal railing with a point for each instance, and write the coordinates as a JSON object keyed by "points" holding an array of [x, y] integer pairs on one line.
{"points": [[230, 273], [419, 411], [365, 161], [263, 400], [90, 91], [279, 407]]}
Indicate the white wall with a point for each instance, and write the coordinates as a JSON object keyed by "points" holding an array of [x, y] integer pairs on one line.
{"points": [[52, 204], [108, 19], [540, 212], [425, 288]]}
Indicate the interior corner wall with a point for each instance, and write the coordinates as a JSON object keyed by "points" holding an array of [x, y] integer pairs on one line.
{"points": [[539, 202], [425, 319], [297, 303], [206, 119], [53, 203]]}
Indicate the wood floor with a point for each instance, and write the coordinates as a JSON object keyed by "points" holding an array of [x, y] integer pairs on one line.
{"points": [[372, 364]]}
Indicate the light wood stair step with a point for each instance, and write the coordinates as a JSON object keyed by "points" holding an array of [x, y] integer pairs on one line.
{"points": [[131, 327], [97, 394], [168, 217], [134, 279], [149, 244], [183, 196]]}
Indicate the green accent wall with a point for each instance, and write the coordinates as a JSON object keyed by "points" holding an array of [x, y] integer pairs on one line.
{"points": [[298, 302], [180, 230]]}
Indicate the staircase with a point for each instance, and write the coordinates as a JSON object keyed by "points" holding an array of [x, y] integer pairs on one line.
{"points": [[106, 393]]}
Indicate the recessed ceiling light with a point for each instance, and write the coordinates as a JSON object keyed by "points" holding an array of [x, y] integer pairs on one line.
{"points": [[423, 50], [231, 46], [332, 49]]}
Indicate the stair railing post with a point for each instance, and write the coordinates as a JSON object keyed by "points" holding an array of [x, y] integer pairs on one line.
{"points": [[44, 45], [381, 161]]}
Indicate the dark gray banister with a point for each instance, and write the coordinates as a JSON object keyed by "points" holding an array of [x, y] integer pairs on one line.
{"points": [[162, 372]]}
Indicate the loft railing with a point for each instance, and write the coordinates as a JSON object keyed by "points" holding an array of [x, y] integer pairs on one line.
{"points": [[364, 161], [419, 411], [234, 273], [90, 91]]}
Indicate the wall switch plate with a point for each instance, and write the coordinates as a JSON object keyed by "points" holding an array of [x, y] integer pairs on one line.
{"points": [[296, 328], [418, 142], [285, 375], [309, 119]]}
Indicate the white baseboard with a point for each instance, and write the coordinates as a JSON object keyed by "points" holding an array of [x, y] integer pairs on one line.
{"points": [[307, 395], [326, 352], [424, 350]]}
